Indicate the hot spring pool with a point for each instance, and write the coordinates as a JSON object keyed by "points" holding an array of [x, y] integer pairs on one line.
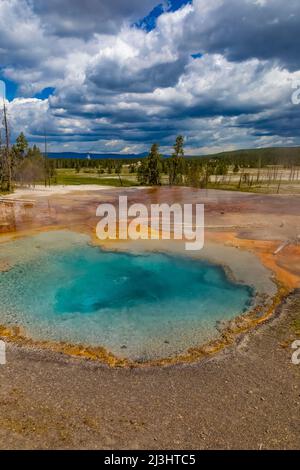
{"points": [[137, 306]]}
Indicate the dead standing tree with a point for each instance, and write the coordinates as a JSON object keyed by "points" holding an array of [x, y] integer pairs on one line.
{"points": [[6, 170]]}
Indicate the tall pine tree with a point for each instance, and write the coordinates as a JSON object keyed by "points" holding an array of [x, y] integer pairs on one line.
{"points": [[150, 170], [176, 162], [154, 166]]}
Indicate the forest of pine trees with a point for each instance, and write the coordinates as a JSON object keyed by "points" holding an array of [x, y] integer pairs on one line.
{"points": [[25, 165]]}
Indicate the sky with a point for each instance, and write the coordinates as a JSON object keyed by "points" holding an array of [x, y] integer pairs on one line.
{"points": [[115, 76]]}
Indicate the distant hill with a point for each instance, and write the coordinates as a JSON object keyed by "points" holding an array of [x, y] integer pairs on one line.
{"points": [[96, 156], [272, 154]]}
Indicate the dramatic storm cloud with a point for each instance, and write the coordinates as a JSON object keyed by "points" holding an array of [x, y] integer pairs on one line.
{"points": [[84, 18], [116, 76]]}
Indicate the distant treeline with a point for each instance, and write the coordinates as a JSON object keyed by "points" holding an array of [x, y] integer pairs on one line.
{"points": [[25, 165], [95, 156], [257, 158], [96, 163], [253, 158], [193, 171]]}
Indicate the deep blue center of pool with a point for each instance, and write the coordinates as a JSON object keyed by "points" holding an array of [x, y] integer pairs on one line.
{"points": [[141, 306]]}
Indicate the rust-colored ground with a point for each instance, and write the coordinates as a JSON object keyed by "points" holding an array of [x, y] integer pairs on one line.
{"points": [[245, 397], [259, 223], [256, 223]]}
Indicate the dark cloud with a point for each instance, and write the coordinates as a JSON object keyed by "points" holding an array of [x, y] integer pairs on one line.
{"points": [[220, 72], [240, 30], [114, 77], [285, 123], [84, 18]]}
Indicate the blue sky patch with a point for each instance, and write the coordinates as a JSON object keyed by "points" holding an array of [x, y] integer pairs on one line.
{"points": [[11, 88], [45, 93], [176, 4], [198, 55], [148, 23]]}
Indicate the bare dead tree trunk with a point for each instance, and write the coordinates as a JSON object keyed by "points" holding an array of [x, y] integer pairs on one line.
{"points": [[279, 184], [6, 169]]}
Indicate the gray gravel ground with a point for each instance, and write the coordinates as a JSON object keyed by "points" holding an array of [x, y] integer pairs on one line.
{"points": [[246, 397]]}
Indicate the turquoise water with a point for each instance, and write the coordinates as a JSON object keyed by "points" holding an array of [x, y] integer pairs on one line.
{"points": [[139, 306]]}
